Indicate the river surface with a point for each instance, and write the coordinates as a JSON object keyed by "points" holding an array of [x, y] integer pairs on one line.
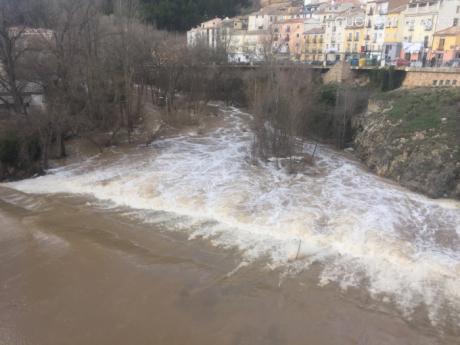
{"points": [[188, 242]]}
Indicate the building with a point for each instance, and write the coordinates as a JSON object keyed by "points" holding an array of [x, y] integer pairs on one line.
{"points": [[418, 27], [446, 47], [31, 92], [325, 31], [288, 38], [249, 47], [240, 23], [312, 48], [354, 32], [376, 18], [266, 17], [449, 14], [206, 33], [393, 35], [333, 18]]}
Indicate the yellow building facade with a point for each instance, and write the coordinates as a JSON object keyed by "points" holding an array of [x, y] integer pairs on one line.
{"points": [[446, 47], [394, 25], [353, 40], [313, 45]]}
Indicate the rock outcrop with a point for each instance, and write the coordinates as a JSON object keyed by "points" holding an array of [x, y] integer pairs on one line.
{"points": [[402, 147]]}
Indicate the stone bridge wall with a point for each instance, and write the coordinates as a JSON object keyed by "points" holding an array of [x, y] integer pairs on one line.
{"points": [[432, 77]]}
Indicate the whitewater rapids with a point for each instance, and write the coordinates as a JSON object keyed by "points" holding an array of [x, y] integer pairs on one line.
{"points": [[363, 231]]}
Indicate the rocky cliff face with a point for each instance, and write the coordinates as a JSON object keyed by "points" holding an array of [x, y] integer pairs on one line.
{"points": [[413, 138]]}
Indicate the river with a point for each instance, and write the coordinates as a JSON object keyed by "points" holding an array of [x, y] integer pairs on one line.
{"points": [[188, 241]]}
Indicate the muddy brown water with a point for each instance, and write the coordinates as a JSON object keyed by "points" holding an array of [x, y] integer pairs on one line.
{"points": [[186, 241], [72, 274]]}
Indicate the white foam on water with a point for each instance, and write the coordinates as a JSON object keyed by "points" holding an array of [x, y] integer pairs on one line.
{"points": [[364, 231]]}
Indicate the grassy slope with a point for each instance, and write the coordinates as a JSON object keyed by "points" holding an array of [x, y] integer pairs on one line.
{"points": [[425, 109], [413, 137]]}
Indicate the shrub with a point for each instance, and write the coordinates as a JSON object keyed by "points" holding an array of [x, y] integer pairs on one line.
{"points": [[9, 150]]}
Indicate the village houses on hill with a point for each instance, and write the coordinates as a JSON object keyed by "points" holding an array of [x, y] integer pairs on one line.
{"points": [[363, 32]]}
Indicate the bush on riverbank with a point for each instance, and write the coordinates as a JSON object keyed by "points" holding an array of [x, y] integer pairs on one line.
{"points": [[19, 153]]}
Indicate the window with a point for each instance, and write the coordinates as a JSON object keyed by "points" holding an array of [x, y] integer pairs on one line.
{"points": [[458, 9], [441, 43], [435, 82], [455, 23], [441, 82], [454, 82], [447, 82]]}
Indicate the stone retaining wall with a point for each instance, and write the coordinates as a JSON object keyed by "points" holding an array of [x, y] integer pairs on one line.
{"points": [[432, 77]]}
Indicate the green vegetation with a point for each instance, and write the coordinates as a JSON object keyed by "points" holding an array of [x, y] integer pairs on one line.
{"points": [[180, 15], [9, 150], [386, 79], [424, 109], [19, 153]]}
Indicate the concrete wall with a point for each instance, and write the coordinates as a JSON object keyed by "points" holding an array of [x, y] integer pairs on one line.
{"points": [[432, 77]]}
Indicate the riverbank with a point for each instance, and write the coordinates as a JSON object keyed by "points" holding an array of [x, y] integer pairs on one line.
{"points": [[413, 138]]}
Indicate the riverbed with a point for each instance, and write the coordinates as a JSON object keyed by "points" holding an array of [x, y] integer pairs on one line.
{"points": [[188, 241]]}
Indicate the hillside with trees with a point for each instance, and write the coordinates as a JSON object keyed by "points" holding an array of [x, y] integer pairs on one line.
{"points": [[180, 15]]}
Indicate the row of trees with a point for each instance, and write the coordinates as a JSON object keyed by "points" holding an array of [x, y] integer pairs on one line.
{"points": [[95, 69], [180, 15], [98, 71]]}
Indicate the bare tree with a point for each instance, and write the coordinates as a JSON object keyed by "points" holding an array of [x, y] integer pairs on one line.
{"points": [[12, 50], [281, 104], [169, 62]]}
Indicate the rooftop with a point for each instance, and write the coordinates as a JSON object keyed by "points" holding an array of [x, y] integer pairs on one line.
{"points": [[315, 31], [396, 6], [452, 31]]}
